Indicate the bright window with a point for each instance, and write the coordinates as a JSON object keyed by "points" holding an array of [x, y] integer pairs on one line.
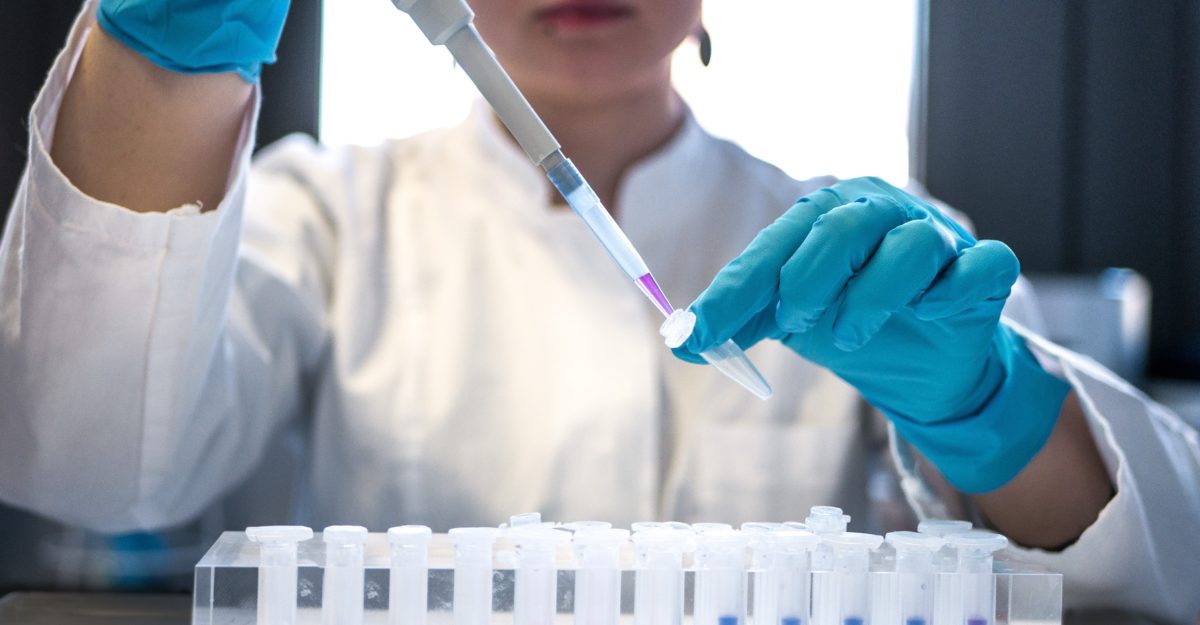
{"points": [[816, 87]]}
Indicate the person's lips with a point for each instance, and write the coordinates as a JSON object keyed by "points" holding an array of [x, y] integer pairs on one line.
{"points": [[583, 14]]}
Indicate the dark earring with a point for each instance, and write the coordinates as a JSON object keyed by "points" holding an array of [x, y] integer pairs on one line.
{"points": [[705, 46]]}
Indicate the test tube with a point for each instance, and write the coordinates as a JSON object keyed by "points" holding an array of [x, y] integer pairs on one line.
{"points": [[825, 521], [720, 593], [915, 572], [764, 576], [658, 583], [408, 586], [536, 594], [788, 568], [598, 575], [946, 559], [473, 574], [851, 561], [975, 549], [342, 594], [947, 587], [277, 571]]}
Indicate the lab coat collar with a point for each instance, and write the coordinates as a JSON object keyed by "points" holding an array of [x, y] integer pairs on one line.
{"points": [[684, 154], [504, 153]]}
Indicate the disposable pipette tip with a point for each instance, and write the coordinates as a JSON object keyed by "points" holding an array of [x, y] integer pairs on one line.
{"points": [[727, 357]]}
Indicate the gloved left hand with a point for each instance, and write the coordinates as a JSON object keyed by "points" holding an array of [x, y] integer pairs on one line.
{"points": [[198, 36], [904, 304]]}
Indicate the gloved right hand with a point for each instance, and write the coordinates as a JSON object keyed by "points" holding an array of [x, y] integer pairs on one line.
{"points": [[199, 36]]}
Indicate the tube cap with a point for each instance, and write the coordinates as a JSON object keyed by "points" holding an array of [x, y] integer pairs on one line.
{"points": [[827, 520], [977, 542], [854, 540], [943, 527], [279, 534], [914, 540], [414, 535], [345, 535]]}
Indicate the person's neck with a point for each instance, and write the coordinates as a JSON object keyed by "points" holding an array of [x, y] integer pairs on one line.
{"points": [[605, 138]]}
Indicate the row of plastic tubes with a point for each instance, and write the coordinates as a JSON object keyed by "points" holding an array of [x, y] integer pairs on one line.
{"points": [[812, 572]]}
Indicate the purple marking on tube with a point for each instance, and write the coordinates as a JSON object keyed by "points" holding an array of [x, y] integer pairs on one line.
{"points": [[651, 287], [977, 621]]}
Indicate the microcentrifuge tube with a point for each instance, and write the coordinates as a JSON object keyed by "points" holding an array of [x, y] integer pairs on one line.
{"points": [[852, 554], [473, 574], [825, 521], [975, 550], [598, 575], [277, 571], [658, 581], [727, 357], [408, 584], [947, 587], [720, 593], [535, 600], [342, 589], [786, 578], [765, 583], [915, 573]]}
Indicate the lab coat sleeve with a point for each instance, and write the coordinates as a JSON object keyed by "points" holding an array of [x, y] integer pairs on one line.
{"points": [[1141, 552], [146, 359]]}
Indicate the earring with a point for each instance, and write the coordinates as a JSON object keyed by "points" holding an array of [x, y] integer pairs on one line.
{"points": [[705, 46]]}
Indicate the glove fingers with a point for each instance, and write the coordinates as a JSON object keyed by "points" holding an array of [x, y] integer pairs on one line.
{"points": [[906, 262], [750, 282], [840, 243], [760, 326], [984, 272]]}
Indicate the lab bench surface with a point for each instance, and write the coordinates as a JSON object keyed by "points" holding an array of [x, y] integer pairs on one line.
{"points": [[63, 608]]}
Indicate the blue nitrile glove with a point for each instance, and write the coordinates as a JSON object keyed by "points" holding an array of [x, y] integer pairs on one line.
{"points": [[198, 36], [904, 304]]}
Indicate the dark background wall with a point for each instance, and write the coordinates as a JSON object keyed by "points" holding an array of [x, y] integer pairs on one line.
{"points": [[1068, 129], [33, 31]]}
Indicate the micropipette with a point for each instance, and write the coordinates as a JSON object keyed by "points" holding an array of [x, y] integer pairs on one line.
{"points": [[448, 23]]}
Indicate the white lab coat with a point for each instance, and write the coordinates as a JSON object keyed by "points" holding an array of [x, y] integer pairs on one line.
{"points": [[457, 349]]}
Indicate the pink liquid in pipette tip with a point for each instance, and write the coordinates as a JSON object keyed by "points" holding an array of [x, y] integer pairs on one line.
{"points": [[650, 288]]}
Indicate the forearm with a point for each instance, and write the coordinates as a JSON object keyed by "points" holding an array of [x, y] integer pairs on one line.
{"points": [[1059, 493], [136, 135]]}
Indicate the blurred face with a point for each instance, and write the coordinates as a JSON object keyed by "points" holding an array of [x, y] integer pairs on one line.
{"points": [[584, 50]]}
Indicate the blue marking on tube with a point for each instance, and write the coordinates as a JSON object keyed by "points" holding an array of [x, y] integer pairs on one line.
{"points": [[852, 620], [727, 620], [914, 620], [790, 620]]}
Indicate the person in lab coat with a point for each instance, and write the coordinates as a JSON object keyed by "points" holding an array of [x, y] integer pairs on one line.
{"points": [[453, 346]]}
